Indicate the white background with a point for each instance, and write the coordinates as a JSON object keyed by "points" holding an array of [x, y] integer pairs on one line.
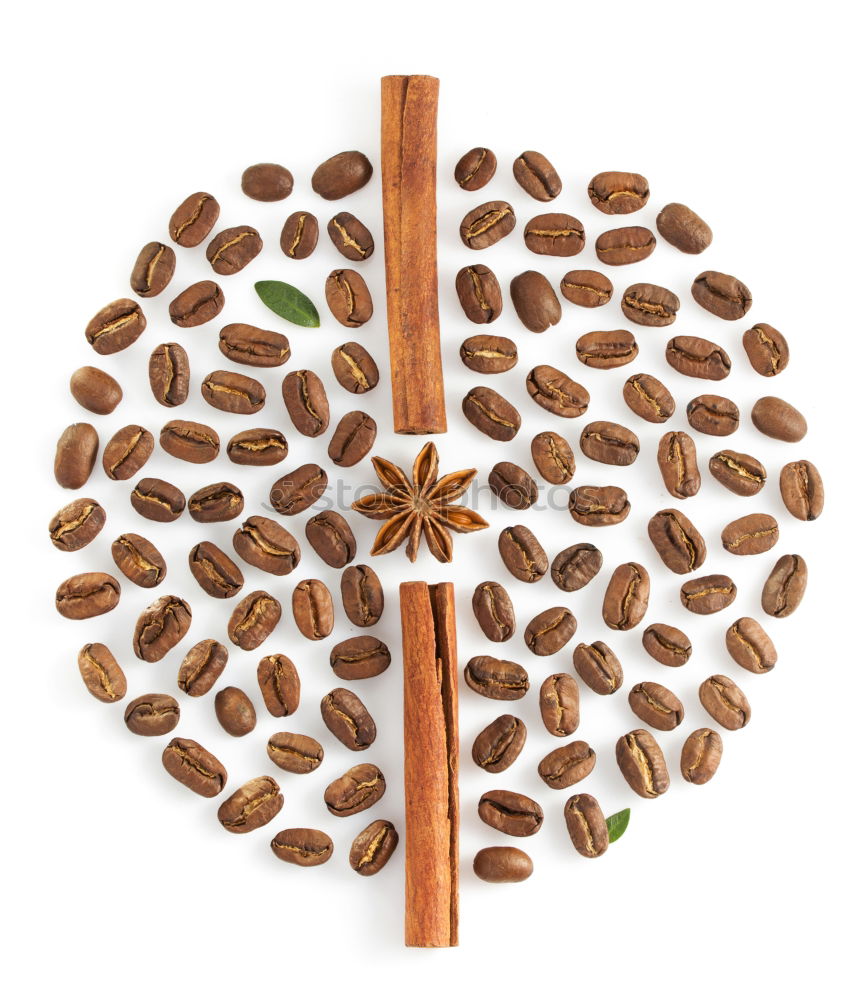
{"points": [[119, 880]]}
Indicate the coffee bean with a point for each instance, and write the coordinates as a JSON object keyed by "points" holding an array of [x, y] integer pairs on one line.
{"points": [[215, 571], [724, 701], [479, 293], [359, 657], [152, 270], [668, 645], [656, 706], [249, 345], [302, 847], [102, 675], [559, 704], [501, 680], [347, 719], [352, 439], [306, 402], [350, 236], [139, 560], [348, 298], [193, 220], [201, 667], [722, 295], [499, 744], [95, 390], [615, 192], [198, 304], [750, 535], [535, 302], [260, 446], [502, 864], [606, 349], [586, 288], [650, 305], [487, 224], [77, 524], [553, 457], [294, 753], [513, 485], [599, 667], [152, 715], [280, 687], [494, 611], [354, 368], [263, 543], [87, 595], [627, 245], [233, 393], [537, 176], [700, 756], [313, 610], [160, 627], [778, 419], [713, 415], [475, 169], [612, 444], [127, 452], [556, 392], [708, 594], [299, 235], [298, 490], [189, 441], [626, 598], [253, 620], [742, 474], [698, 358], [75, 457], [511, 813], [341, 175], [488, 355], [550, 631], [115, 327], [373, 847], [576, 566], [361, 593], [157, 500], [193, 766], [586, 825], [567, 765], [750, 646], [802, 490], [766, 349], [267, 182], [642, 763], [677, 541], [253, 805], [784, 588], [676, 459], [648, 398], [331, 538], [233, 249], [235, 712], [555, 234], [598, 506], [357, 789], [169, 374], [522, 554], [683, 229], [491, 413]]}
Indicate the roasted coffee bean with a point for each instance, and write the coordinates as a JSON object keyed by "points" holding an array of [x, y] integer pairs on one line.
{"points": [[550, 631], [607, 349], [359, 657], [656, 706], [198, 304], [152, 270], [259, 446], [668, 645], [576, 566], [233, 393], [698, 358], [555, 234], [348, 298], [358, 789], [75, 457], [598, 506], [648, 398], [341, 175], [494, 611], [586, 825], [750, 535], [511, 813], [373, 847], [350, 236], [487, 224], [677, 541], [553, 457], [778, 419], [766, 349], [742, 474], [306, 402], [352, 439], [479, 293], [192, 222], [713, 415], [115, 327], [361, 593], [537, 176], [294, 753], [708, 594], [95, 390], [152, 715], [87, 595], [750, 646], [599, 667], [522, 554], [354, 368], [612, 444], [642, 763], [299, 235], [615, 192], [102, 675], [513, 485], [157, 500], [347, 719], [802, 490], [700, 756], [501, 680], [491, 413], [488, 355], [313, 610], [298, 490], [567, 765], [499, 744], [556, 392], [535, 301], [250, 345], [189, 441], [280, 686], [253, 805], [626, 598], [586, 288], [160, 627], [302, 847], [627, 245], [139, 560], [559, 704], [650, 305], [676, 459], [215, 571], [267, 182], [683, 229], [784, 588], [193, 766], [169, 374], [127, 452], [233, 249], [253, 620], [722, 295], [724, 701], [201, 667], [76, 524], [235, 711], [331, 538], [263, 543], [475, 169], [502, 864]]}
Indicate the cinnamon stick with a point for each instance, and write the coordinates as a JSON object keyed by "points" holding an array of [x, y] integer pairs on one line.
{"points": [[431, 762], [409, 106]]}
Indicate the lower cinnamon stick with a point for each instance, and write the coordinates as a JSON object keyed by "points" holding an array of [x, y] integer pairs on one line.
{"points": [[431, 762]]}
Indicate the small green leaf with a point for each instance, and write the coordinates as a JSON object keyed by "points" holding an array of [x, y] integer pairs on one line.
{"points": [[288, 302], [617, 824]]}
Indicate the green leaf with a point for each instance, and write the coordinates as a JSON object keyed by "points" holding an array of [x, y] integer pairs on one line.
{"points": [[288, 302], [617, 824]]}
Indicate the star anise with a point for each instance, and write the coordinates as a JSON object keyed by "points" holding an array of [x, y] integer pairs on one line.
{"points": [[421, 507]]}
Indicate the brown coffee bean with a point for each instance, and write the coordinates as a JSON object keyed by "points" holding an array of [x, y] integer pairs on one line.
{"points": [[341, 175], [555, 234], [263, 543], [253, 805], [354, 368], [784, 588], [348, 298], [556, 392], [193, 220], [700, 756], [359, 657], [294, 753], [198, 304], [373, 847], [115, 327], [708, 594], [350, 236], [267, 182], [233, 393], [615, 192], [152, 715], [559, 704], [139, 560], [299, 235], [576, 566], [656, 706], [357, 789], [313, 610], [253, 620], [487, 224], [152, 270], [479, 293], [677, 541], [598, 506], [95, 390], [626, 598], [537, 176], [249, 345], [750, 535], [668, 645], [722, 295], [501, 680], [75, 457], [750, 646], [766, 349], [742, 474], [641, 761], [522, 554], [127, 452], [650, 305], [713, 415], [648, 398], [233, 249], [488, 355], [535, 301], [77, 524], [499, 744], [567, 765], [553, 457], [627, 245], [160, 627], [612, 444], [599, 667], [298, 490], [362, 596], [683, 229], [280, 687], [169, 374], [513, 485], [586, 825], [193, 766], [586, 288], [352, 439], [802, 490], [102, 675], [606, 349], [511, 813], [502, 864], [201, 667], [724, 701], [87, 595], [331, 538], [550, 631], [260, 446], [235, 711], [157, 500], [676, 459], [347, 719], [494, 611], [778, 419], [698, 358], [215, 571], [302, 847], [189, 441], [491, 413], [475, 169], [306, 402]]}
